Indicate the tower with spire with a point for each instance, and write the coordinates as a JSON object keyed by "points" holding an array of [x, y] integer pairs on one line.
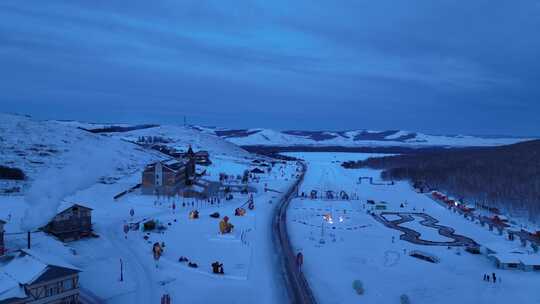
{"points": [[190, 165]]}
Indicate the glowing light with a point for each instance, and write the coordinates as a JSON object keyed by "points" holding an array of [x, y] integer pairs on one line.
{"points": [[328, 218]]}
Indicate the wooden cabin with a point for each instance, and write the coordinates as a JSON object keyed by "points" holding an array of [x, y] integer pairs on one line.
{"points": [[71, 224], [28, 279], [202, 158], [2, 246]]}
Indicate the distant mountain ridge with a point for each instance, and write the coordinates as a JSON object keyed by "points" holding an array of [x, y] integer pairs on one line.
{"points": [[354, 138], [302, 138]]}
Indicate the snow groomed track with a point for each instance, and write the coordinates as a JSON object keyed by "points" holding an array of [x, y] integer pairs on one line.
{"points": [[297, 285]]}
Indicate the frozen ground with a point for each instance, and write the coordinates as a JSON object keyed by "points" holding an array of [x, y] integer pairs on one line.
{"points": [[64, 165], [334, 257], [61, 172], [248, 254]]}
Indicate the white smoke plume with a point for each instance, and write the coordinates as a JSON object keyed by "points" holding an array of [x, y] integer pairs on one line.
{"points": [[84, 167]]}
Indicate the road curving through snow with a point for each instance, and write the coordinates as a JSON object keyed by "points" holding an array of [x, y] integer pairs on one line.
{"points": [[297, 285]]}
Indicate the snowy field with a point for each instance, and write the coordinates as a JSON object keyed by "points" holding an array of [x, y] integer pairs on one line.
{"points": [[341, 242], [247, 254], [65, 165], [334, 256]]}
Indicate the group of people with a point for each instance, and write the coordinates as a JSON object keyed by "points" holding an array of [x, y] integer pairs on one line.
{"points": [[194, 214], [217, 268], [239, 211], [492, 278]]}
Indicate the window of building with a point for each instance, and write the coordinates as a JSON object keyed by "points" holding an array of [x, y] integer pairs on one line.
{"points": [[68, 284]]}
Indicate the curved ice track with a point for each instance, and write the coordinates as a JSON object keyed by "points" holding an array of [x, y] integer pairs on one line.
{"points": [[413, 236], [297, 285]]}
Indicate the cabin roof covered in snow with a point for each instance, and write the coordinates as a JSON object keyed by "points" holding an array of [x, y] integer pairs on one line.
{"points": [[9, 288], [508, 258], [172, 164], [196, 188], [500, 248], [530, 259], [74, 205], [29, 267]]}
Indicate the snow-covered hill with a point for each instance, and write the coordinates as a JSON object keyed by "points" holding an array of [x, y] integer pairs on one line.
{"points": [[181, 137], [37, 146], [356, 138], [60, 159]]}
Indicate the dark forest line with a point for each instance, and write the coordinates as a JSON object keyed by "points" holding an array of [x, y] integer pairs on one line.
{"points": [[383, 150], [506, 177]]}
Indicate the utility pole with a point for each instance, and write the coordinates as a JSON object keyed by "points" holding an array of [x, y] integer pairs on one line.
{"points": [[121, 270]]}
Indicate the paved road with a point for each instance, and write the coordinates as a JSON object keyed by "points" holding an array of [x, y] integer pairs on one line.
{"points": [[297, 285], [413, 236]]}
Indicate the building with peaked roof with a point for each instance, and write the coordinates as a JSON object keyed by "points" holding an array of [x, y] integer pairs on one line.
{"points": [[167, 177], [27, 278], [72, 223]]}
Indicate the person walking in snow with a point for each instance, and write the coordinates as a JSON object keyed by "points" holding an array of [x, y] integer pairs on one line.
{"points": [[299, 260], [156, 251], [494, 277]]}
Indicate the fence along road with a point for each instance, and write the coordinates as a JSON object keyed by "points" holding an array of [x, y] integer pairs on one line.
{"points": [[297, 285]]}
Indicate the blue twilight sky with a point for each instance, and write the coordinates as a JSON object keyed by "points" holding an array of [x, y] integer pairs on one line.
{"points": [[434, 66]]}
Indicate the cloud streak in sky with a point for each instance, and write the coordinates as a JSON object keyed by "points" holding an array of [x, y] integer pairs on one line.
{"points": [[361, 64]]}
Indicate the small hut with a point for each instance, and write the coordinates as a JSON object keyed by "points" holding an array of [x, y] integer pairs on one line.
{"points": [[506, 261], [71, 224], [530, 262]]}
